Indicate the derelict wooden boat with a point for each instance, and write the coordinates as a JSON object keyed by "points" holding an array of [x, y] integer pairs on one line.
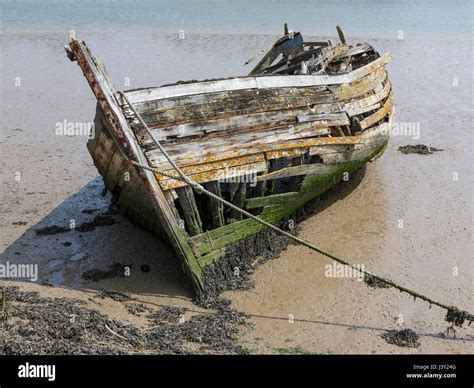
{"points": [[308, 113]]}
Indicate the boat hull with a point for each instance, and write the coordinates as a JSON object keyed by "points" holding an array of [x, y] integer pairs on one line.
{"points": [[207, 252], [269, 144]]}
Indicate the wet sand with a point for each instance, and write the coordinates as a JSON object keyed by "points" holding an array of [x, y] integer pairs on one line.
{"points": [[358, 222]]}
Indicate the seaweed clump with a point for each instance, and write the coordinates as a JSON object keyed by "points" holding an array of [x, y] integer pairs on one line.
{"points": [[60, 326], [116, 270], [458, 317], [404, 338], [232, 271], [419, 149], [373, 282]]}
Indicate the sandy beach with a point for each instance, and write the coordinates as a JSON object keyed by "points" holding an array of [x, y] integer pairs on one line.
{"points": [[49, 180]]}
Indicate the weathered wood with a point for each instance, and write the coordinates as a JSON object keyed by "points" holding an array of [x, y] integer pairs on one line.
{"points": [[219, 174], [211, 166], [149, 190], [217, 208], [170, 196], [235, 146], [336, 119], [341, 35], [238, 192], [190, 210], [229, 128], [202, 107], [295, 180], [275, 199], [141, 95], [379, 115], [247, 123]]}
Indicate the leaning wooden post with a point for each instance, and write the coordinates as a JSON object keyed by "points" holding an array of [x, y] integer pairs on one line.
{"points": [[295, 180], [217, 208], [238, 192], [190, 210], [341, 35]]}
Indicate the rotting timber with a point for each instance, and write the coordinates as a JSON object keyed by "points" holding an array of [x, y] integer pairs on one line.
{"points": [[308, 114]]}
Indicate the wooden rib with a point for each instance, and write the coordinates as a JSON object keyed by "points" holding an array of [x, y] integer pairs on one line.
{"points": [[380, 114], [190, 210], [216, 207], [238, 199]]}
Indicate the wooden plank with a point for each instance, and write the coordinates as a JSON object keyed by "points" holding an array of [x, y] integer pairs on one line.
{"points": [[258, 148], [238, 191], [264, 82], [337, 119], [210, 166], [276, 154], [217, 208], [294, 171], [275, 199], [170, 197], [255, 121], [245, 144], [379, 115], [265, 101], [190, 210], [221, 174]]}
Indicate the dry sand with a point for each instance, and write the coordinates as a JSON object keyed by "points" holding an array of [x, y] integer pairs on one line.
{"points": [[359, 222]]}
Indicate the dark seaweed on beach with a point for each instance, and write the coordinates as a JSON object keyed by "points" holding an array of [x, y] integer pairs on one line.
{"points": [[218, 331], [115, 295], [404, 338], [374, 282], [99, 220], [48, 230], [59, 326], [419, 149], [458, 317], [116, 270], [136, 308]]}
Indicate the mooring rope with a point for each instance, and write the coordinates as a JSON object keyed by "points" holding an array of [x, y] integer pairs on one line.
{"points": [[201, 190]]}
